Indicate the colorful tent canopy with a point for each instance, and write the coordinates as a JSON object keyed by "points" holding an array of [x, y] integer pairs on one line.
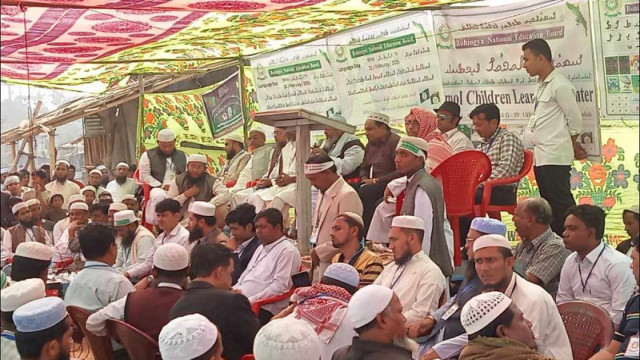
{"points": [[66, 43]]}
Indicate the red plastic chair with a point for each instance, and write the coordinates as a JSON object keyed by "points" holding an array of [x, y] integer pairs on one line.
{"points": [[494, 210], [100, 345], [139, 345], [460, 175], [248, 357], [588, 326], [146, 189]]}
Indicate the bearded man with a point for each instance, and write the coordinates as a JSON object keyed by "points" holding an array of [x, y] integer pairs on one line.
{"points": [[61, 184], [159, 167], [25, 231], [202, 225], [237, 159], [135, 240], [196, 184], [121, 185]]}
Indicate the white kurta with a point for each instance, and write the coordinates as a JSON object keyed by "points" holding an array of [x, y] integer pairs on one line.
{"points": [[157, 194], [385, 212], [66, 190], [278, 196], [419, 285], [178, 235], [117, 191], [353, 156], [7, 242]]}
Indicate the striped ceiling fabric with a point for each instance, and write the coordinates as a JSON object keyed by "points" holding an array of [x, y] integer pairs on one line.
{"points": [[76, 42]]}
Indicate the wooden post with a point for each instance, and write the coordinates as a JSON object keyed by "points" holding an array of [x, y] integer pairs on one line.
{"points": [[246, 125], [303, 189], [13, 149], [16, 159], [31, 159], [52, 147]]}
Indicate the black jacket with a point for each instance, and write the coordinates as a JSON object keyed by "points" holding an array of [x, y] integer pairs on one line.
{"points": [[229, 311], [371, 350], [242, 262]]}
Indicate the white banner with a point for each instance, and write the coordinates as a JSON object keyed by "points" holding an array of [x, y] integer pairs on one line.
{"points": [[299, 77], [480, 54], [387, 67], [618, 33]]}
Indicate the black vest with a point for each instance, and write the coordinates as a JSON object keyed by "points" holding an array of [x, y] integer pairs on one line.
{"points": [[356, 172], [159, 163]]}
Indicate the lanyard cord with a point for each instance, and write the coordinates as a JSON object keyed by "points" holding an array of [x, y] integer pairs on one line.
{"points": [[584, 284]]}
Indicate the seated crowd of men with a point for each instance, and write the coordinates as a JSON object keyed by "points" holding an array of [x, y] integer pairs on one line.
{"points": [[191, 286]]}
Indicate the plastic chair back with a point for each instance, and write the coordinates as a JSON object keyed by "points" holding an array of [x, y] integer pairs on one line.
{"points": [[146, 190], [248, 357], [460, 175], [139, 345], [588, 326], [100, 345]]}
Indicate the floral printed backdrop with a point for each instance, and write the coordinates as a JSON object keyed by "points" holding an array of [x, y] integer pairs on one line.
{"points": [[612, 184]]}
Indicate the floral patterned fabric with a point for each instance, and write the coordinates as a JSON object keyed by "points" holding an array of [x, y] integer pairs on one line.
{"points": [[77, 42]]}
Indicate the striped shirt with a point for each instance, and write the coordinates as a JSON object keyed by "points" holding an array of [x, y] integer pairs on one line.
{"points": [[368, 264], [628, 326]]}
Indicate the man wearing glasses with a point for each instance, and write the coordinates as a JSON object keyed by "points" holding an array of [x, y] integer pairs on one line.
{"points": [[448, 120]]}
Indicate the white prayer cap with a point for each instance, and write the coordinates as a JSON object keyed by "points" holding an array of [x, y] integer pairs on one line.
{"points": [[56, 194], [117, 207], [128, 197], [100, 168], [287, 339], [13, 179], [79, 206], [482, 309], [187, 337], [235, 137], [122, 164], [63, 162], [203, 208], [367, 303], [408, 222], [34, 250], [338, 117], [489, 226], [171, 257], [310, 169], [415, 145], [88, 188], [260, 130], [343, 272], [76, 198], [40, 314], [197, 158], [634, 209], [32, 202], [491, 240], [124, 218], [378, 117], [4, 171], [166, 135], [20, 293], [95, 171], [355, 217], [19, 206]]}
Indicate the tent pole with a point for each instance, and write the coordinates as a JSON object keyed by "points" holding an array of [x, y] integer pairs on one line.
{"points": [[246, 124], [31, 159], [13, 149], [52, 147]]}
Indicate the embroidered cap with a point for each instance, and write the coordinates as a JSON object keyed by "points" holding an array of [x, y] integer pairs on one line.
{"points": [[13, 179], [122, 164], [367, 303], [39, 314], [343, 272], [34, 250], [203, 208], [235, 137], [62, 162], [124, 218], [166, 135], [171, 257], [481, 310], [634, 209], [88, 188], [353, 216], [20, 293], [260, 130], [95, 171], [76, 198], [489, 226], [408, 222], [79, 206], [491, 241], [197, 158], [187, 337], [287, 339], [378, 117]]}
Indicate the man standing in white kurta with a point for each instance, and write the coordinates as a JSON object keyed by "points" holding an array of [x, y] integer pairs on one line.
{"points": [[158, 167], [60, 184]]}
